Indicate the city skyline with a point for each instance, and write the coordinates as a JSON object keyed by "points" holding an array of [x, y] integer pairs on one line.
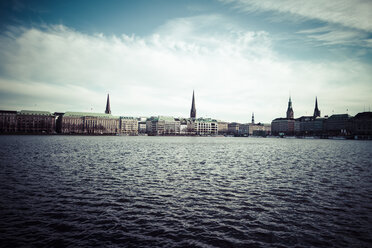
{"points": [[289, 113], [239, 57]]}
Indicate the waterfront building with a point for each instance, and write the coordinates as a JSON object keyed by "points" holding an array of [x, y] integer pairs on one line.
{"points": [[191, 126], [318, 126], [244, 129], [284, 126], [162, 125], [8, 121], [252, 129], [128, 125], [223, 127], [309, 126], [91, 123], [88, 123], [200, 126], [297, 127], [259, 129], [264, 130], [70, 123], [338, 125], [304, 125], [183, 125], [29, 121], [186, 126], [205, 126], [233, 128], [141, 124], [361, 125], [142, 127]]}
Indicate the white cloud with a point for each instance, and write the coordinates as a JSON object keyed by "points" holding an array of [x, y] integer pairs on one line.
{"points": [[330, 35], [353, 14], [234, 72]]}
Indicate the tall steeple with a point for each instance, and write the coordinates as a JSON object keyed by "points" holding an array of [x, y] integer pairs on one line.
{"points": [[108, 109], [290, 109], [316, 110], [193, 110], [252, 117]]}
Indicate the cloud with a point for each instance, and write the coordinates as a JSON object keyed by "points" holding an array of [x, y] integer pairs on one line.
{"points": [[234, 72], [330, 35], [353, 14]]}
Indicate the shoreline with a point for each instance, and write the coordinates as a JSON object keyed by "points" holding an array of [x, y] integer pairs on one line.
{"points": [[212, 136]]}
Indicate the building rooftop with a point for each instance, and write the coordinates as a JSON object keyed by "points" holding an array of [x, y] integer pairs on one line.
{"points": [[8, 111], [305, 118], [34, 112], [128, 118], [364, 115], [83, 114], [282, 119], [205, 120], [161, 118], [339, 117]]}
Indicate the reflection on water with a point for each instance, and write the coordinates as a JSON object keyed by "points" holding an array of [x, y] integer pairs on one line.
{"points": [[184, 191]]}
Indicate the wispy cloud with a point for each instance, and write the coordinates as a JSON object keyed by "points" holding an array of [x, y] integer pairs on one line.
{"points": [[354, 14], [234, 72], [330, 35]]}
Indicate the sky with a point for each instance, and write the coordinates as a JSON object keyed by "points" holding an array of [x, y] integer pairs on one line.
{"points": [[239, 56]]}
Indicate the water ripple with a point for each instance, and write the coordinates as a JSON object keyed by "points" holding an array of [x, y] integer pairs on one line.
{"points": [[73, 191]]}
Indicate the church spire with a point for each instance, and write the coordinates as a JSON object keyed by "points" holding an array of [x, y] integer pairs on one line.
{"points": [[316, 110], [290, 109], [108, 109], [193, 110]]}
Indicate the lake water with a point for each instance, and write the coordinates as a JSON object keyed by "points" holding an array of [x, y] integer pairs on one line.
{"points": [[184, 192]]}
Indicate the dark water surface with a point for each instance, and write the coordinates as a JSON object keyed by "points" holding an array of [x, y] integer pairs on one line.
{"points": [[184, 192]]}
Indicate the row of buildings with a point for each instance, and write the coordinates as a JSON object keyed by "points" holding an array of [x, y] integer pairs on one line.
{"points": [[344, 125], [337, 125], [105, 123], [248, 129], [26, 121]]}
